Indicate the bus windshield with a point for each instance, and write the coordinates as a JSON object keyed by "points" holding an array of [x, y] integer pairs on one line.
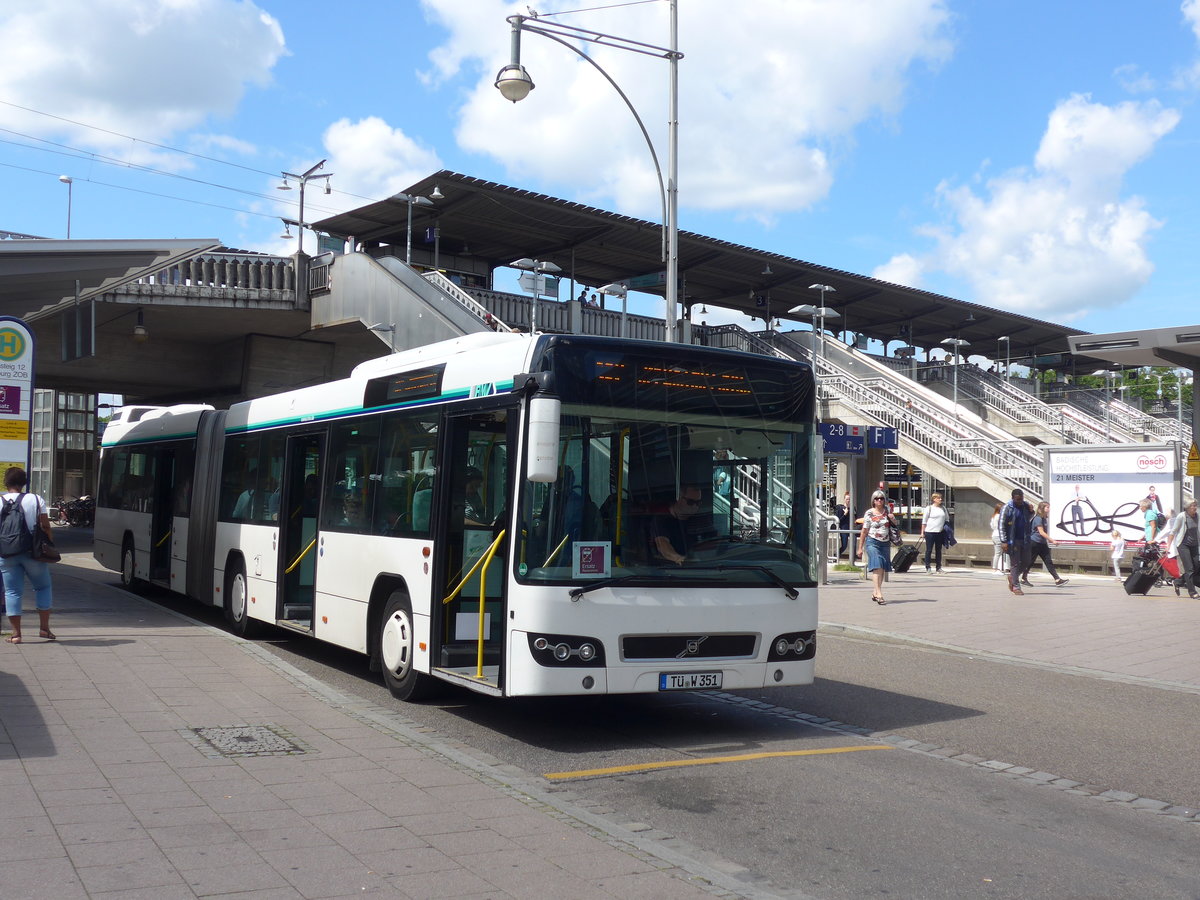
{"points": [[695, 498]]}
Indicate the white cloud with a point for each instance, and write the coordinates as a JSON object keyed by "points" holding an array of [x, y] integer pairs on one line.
{"points": [[148, 68], [1190, 77], [1060, 240], [1133, 79], [765, 93], [903, 268], [371, 158]]}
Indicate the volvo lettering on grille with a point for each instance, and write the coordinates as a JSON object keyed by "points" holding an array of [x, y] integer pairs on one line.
{"points": [[692, 648]]}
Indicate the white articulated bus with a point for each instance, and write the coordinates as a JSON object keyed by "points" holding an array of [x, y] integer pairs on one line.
{"points": [[522, 515]]}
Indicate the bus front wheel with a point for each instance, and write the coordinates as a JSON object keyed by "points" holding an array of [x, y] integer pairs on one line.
{"points": [[237, 601], [397, 646]]}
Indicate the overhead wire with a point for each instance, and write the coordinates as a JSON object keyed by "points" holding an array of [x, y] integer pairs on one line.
{"points": [[113, 161]]}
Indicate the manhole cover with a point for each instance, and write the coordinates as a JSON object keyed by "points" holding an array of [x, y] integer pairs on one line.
{"points": [[246, 740]]}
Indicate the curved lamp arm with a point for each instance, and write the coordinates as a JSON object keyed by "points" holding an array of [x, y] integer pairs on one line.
{"points": [[516, 65]]}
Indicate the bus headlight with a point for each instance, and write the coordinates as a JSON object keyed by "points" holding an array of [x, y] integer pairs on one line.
{"points": [[566, 650], [793, 646]]}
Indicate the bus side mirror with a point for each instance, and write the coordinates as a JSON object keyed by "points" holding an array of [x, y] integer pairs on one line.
{"points": [[545, 411]]}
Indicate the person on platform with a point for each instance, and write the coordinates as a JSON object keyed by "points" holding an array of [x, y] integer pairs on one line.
{"points": [[17, 568], [1014, 529], [844, 512], [999, 557], [875, 542], [933, 524], [1182, 544], [1117, 545], [1040, 541]]}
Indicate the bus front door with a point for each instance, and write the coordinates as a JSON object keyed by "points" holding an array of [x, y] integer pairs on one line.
{"points": [[469, 628], [298, 535]]}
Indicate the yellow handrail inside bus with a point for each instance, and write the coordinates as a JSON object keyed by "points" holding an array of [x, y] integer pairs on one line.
{"points": [[554, 555], [164, 539], [479, 562], [487, 561], [303, 553], [618, 533]]}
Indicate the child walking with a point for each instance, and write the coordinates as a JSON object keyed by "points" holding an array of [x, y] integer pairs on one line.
{"points": [[1118, 550]]}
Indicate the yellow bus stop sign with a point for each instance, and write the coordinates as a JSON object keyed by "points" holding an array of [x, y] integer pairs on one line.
{"points": [[1193, 463]]}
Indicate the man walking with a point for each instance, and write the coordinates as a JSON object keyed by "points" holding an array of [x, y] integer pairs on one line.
{"points": [[1014, 532]]}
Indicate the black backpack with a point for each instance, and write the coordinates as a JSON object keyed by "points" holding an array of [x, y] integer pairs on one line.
{"points": [[1160, 520], [15, 536]]}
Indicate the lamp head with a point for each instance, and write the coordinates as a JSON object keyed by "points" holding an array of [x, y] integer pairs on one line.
{"points": [[140, 334], [66, 179], [615, 289], [513, 82]]}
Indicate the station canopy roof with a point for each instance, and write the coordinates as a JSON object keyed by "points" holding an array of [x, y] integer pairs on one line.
{"points": [[1179, 346], [500, 224]]}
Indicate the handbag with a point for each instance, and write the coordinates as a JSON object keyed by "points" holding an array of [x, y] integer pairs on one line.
{"points": [[43, 548], [894, 535]]}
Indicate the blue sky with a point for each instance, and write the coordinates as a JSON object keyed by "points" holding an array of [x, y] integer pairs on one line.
{"points": [[1032, 156]]}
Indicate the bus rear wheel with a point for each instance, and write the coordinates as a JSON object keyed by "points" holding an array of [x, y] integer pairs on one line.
{"points": [[128, 566], [397, 648], [237, 601]]}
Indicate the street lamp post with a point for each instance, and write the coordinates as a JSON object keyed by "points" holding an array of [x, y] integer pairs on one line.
{"points": [[957, 344], [1107, 374], [818, 314], [412, 200], [540, 269], [514, 84], [303, 179], [1181, 380], [824, 310], [70, 183]]}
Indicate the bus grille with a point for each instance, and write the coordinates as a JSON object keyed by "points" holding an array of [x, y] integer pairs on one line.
{"points": [[689, 646]]}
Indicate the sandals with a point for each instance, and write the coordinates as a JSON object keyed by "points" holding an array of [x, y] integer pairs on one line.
{"points": [[880, 601], [13, 639], [48, 634]]}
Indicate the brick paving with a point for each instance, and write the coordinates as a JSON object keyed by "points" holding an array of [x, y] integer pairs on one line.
{"points": [[146, 755]]}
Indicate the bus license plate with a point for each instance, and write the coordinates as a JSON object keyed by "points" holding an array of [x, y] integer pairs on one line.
{"points": [[688, 681]]}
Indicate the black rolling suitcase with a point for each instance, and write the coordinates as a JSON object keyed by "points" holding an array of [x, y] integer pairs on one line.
{"points": [[1146, 572], [904, 558]]}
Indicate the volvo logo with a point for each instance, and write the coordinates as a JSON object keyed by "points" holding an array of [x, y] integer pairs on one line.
{"points": [[692, 648]]}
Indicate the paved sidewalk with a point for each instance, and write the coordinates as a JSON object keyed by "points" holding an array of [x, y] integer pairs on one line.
{"points": [[146, 755], [1089, 624]]}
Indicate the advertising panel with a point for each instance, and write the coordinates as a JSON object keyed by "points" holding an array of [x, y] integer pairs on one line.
{"points": [[16, 392], [1093, 490]]}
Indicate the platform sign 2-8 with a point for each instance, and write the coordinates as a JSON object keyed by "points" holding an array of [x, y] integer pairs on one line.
{"points": [[843, 439]]}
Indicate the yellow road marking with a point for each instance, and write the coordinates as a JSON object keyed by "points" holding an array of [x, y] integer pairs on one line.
{"points": [[707, 761]]}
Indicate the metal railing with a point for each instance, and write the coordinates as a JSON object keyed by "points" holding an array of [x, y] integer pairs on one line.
{"points": [[464, 299]]}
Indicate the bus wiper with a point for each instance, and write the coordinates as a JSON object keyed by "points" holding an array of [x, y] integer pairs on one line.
{"points": [[791, 592], [578, 592]]}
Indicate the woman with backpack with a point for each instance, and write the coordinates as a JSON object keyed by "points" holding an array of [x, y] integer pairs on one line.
{"points": [[17, 566]]}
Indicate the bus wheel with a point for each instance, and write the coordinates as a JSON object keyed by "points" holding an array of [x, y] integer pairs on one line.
{"points": [[397, 646], [129, 580], [237, 601]]}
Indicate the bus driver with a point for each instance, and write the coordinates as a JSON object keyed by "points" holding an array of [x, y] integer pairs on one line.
{"points": [[668, 532]]}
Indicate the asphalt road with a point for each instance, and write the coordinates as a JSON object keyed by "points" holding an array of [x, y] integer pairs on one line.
{"points": [[837, 821]]}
